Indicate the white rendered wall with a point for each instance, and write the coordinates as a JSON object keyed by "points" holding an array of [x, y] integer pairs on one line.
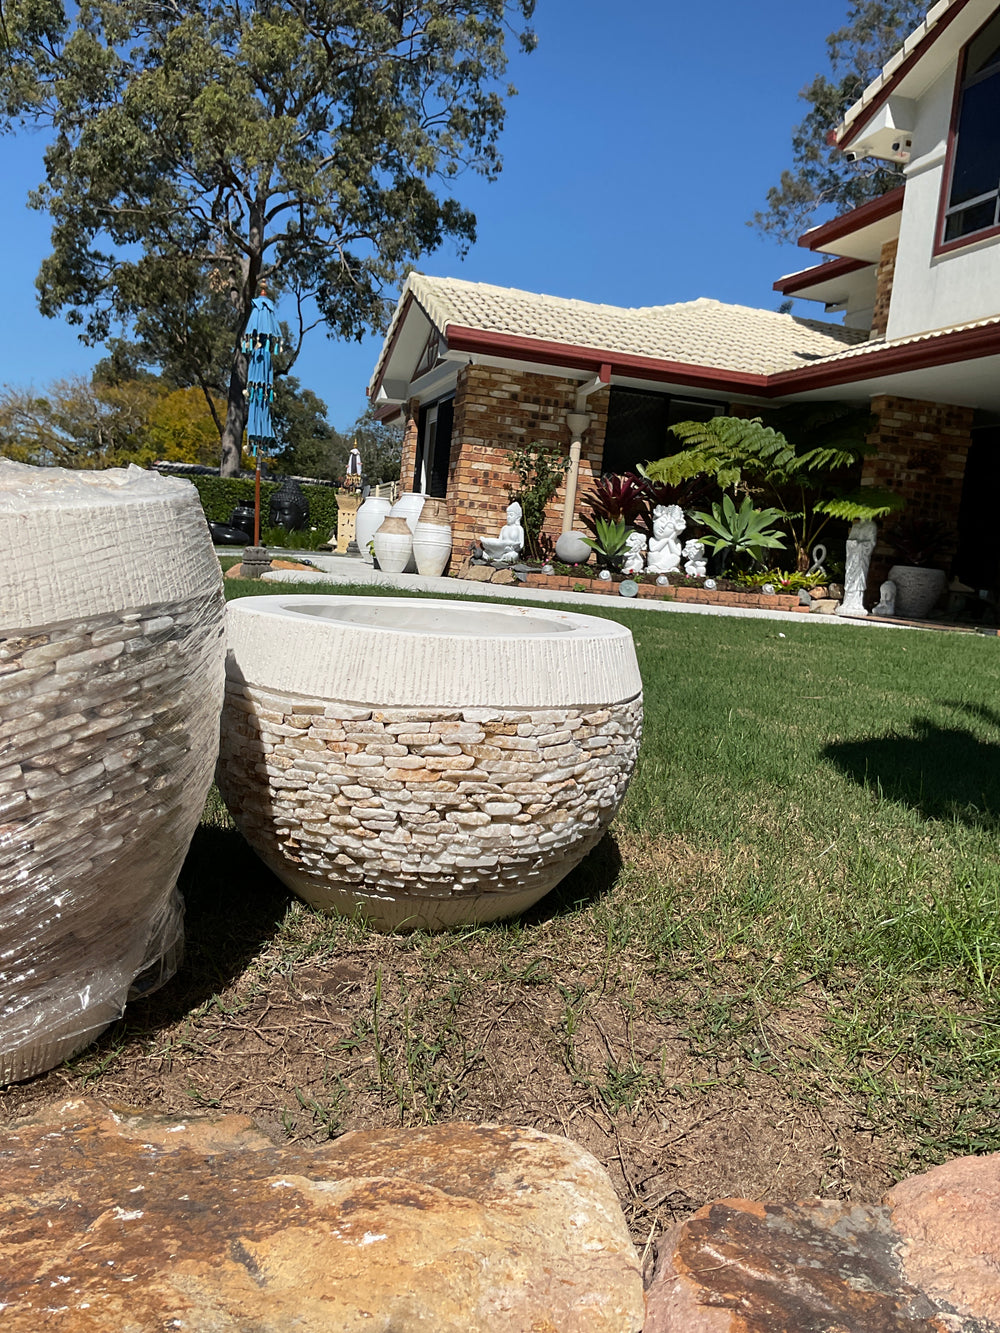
{"points": [[937, 291]]}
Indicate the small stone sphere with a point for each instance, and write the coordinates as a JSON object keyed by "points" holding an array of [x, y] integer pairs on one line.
{"points": [[605, 574], [662, 581], [571, 549], [768, 589], [711, 585], [628, 589]]}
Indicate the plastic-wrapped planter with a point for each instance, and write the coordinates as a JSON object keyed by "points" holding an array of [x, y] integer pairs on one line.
{"points": [[111, 678]]}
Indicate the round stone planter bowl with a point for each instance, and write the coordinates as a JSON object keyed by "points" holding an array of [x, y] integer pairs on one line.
{"points": [[424, 763], [112, 626]]}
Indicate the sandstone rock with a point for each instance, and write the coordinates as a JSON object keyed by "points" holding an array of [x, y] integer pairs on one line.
{"points": [[479, 573], [504, 576], [823, 606], [119, 1222], [926, 1263], [949, 1222]]}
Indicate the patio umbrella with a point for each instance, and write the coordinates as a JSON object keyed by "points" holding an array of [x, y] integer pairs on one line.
{"points": [[261, 339]]}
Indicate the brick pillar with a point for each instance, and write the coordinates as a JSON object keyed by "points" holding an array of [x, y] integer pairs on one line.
{"points": [[921, 451], [883, 287], [411, 431]]}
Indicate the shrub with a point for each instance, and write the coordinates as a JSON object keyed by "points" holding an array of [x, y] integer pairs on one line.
{"points": [[220, 495]]}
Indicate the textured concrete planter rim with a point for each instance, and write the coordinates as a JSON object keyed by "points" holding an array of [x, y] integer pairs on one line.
{"points": [[399, 652]]}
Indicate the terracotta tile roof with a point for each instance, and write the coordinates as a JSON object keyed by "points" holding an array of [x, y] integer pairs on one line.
{"points": [[700, 333], [875, 345]]}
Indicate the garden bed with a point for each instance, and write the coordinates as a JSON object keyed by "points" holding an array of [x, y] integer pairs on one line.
{"points": [[751, 598]]}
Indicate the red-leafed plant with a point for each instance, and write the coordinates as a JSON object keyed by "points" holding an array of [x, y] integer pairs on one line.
{"points": [[630, 498]]}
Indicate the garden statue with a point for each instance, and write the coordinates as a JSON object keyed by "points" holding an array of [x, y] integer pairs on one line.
{"points": [[665, 544], [818, 556], [695, 564], [507, 546], [860, 544], [886, 599], [289, 507], [635, 553]]}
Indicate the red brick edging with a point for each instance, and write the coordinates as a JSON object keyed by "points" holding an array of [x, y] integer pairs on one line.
{"points": [[706, 596]]}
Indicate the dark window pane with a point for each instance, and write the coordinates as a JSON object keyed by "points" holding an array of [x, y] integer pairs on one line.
{"points": [[977, 155], [638, 423], [970, 220], [984, 51]]}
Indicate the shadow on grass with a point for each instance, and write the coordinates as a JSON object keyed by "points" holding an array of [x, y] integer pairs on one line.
{"points": [[588, 883], [233, 906], [945, 773]]}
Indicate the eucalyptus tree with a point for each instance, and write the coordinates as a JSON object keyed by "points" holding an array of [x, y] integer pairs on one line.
{"points": [[819, 173], [205, 147]]}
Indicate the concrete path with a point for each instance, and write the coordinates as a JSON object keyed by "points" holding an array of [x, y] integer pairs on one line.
{"points": [[332, 568]]}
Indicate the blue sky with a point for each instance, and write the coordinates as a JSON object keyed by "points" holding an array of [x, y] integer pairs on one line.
{"points": [[644, 135]]}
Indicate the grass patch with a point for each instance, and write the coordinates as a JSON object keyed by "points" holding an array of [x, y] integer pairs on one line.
{"points": [[777, 975]]}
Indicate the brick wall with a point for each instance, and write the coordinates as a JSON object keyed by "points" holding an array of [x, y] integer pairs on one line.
{"points": [[411, 417], [883, 287], [922, 449], [496, 409]]}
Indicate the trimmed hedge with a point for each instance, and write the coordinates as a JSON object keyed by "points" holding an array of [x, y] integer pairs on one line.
{"points": [[220, 495]]}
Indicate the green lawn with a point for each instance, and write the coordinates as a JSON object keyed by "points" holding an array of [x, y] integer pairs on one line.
{"points": [[777, 975]]}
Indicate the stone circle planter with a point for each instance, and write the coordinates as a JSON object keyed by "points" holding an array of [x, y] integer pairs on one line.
{"points": [[111, 673], [424, 763]]}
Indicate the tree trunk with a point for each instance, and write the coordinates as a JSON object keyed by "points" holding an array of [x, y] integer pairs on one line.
{"points": [[236, 418]]}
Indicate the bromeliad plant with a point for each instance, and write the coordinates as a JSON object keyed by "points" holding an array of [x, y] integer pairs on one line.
{"points": [[741, 533], [632, 497]]}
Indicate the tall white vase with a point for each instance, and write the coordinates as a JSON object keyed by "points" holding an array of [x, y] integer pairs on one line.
{"points": [[408, 507], [432, 539], [394, 545], [370, 517]]}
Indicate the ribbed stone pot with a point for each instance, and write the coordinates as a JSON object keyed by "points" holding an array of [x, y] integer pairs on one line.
{"points": [[371, 515], [917, 589], [111, 674], [424, 763]]}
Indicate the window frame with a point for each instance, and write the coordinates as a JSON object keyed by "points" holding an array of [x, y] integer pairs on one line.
{"points": [[942, 246]]}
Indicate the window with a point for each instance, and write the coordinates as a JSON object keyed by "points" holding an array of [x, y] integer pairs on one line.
{"points": [[638, 425], [974, 193]]}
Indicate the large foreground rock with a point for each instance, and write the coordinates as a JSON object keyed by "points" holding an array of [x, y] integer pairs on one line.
{"points": [[121, 1223], [927, 1261]]}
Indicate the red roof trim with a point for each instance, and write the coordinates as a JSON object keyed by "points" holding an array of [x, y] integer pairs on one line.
{"points": [[884, 93], [874, 211], [959, 345], [596, 360], [809, 277]]}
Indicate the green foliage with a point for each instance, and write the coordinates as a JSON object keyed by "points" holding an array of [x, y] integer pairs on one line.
{"points": [[820, 175], [79, 424], [195, 150], [302, 539], [751, 456], [919, 541], [609, 542], [220, 495], [741, 532], [782, 580], [539, 468]]}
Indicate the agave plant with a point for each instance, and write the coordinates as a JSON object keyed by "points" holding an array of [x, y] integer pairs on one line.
{"points": [[742, 532], [610, 542]]}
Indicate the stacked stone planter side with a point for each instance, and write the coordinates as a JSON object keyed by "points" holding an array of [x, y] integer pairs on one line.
{"points": [[111, 673], [424, 763]]}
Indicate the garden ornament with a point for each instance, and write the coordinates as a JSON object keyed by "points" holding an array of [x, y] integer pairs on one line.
{"points": [[695, 564], [635, 548], [886, 599], [665, 545], [860, 544], [507, 546]]}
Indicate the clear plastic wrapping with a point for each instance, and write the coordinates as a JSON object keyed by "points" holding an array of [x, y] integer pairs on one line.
{"points": [[108, 738]]}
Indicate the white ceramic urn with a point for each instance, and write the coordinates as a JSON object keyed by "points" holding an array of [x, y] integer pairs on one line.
{"points": [[394, 545], [369, 519], [432, 539], [408, 507]]}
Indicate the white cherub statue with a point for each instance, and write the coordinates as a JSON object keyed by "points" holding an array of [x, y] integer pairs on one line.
{"points": [[665, 546], [695, 564], [508, 545], [635, 553]]}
